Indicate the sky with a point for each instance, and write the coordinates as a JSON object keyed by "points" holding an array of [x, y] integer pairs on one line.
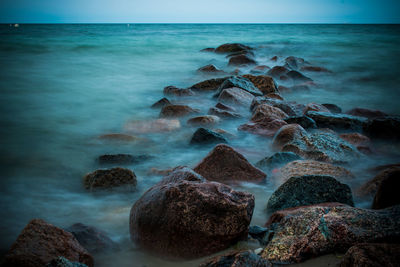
{"points": [[200, 11]]}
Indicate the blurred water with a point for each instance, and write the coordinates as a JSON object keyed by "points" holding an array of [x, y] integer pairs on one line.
{"points": [[61, 86]]}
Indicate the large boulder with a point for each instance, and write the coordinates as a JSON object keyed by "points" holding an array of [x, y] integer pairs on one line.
{"points": [[205, 120], [277, 160], [360, 141], [308, 190], [174, 91], [315, 107], [367, 113], [152, 126], [333, 108], [236, 96], [223, 113], [161, 103], [337, 121], [304, 121], [385, 128], [310, 231], [290, 108], [177, 111], [265, 127], [287, 134], [278, 71], [232, 48], [205, 136], [295, 63], [224, 164], [387, 194], [241, 60], [297, 76], [372, 255], [239, 82], [41, 242], [210, 68], [208, 85], [371, 187], [265, 111], [264, 83], [106, 179], [185, 216], [237, 259]]}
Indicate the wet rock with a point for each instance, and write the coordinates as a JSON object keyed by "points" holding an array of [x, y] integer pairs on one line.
{"points": [[237, 259], [265, 111], [224, 107], [277, 160], [308, 190], [236, 96], [161, 103], [333, 108], [239, 82], [174, 91], [287, 134], [264, 83], [210, 69], [314, 69], [40, 242], [223, 113], [277, 71], [337, 121], [208, 85], [259, 233], [295, 63], [265, 127], [63, 262], [311, 167], [315, 107], [295, 75], [261, 69], [122, 159], [371, 187], [387, 194], [104, 179], [185, 216], [274, 58], [177, 111], [356, 139], [388, 127], [304, 121], [208, 49], [232, 48], [118, 137], [372, 255], [275, 96], [205, 120], [241, 60], [290, 108], [224, 164], [91, 238], [205, 136], [310, 231], [153, 126], [367, 113], [245, 52]]}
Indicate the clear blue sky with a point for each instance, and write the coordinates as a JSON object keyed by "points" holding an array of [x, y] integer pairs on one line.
{"points": [[200, 11]]}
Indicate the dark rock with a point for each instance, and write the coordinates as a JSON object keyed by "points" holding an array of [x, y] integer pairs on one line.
{"points": [[274, 58], [305, 232], [308, 190], [264, 83], [265, 127], [314, 69], [274, 95], [185, 216], [208, 85], [337, 121], [333, 108], [295, 75], [277, 160], [123, 159], [115, 177], [224, 107], [205, 120], [278, 71], [387, 194], [174, 91], [239, 82], [232, 48], [290, 108], [237, 259], [40, 242], [265, 111], [224, 164], [372, 255], [371, 187], [205, 136], [315, 107], [261, 69], [161, 103], [210, 68], [208, 49], [304, 121], [63, 262], [388, 127], [223, 113], [241, 60], [367, 113], [173, 111], [287, 134], [259, 233], [295, 63], [244, 52], [91, 238], [236, 96], [358, 140]]}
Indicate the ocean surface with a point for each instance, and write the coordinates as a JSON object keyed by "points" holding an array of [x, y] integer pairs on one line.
{"points": [[62, 86]]}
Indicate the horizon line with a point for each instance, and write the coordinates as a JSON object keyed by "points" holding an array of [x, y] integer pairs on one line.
{"points": [[260, 23]]}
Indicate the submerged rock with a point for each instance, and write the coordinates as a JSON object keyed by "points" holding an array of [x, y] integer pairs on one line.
{"points": [[310, 231], [122, 159], [205, 136], [314, 69], [224, 164], [371, 187], [265, 111], [223, 113], [63, 262], [241, 60], [210, 69], [104, 179], [295, 63], [265, 127], [358, 140], [287, 134], [177, 111], [367, 113], [208, 49], [388, 127], [337, 121], [290, 108], [41, 242], [118, 137], [208, 85], [161, 103], [232, 47], [239, 82], [261, 69], [185, 216], [264, 83], [304, 121], [237, 259], [333, 108], [236, 96], [372, 255], [295, 75], [308, 190], [174, 91], [315, 107], [277, 160], [278, 71], [387, 194], [205, 120]]}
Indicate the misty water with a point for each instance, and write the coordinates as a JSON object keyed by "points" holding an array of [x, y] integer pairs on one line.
{"points": [[62, 86]]}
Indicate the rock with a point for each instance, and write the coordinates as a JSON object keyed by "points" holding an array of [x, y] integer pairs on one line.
{"points": [[156, 171], [265, 111], [337, 121], [277, 160], [122, 159], [265, 127], [210, 68], [278, 71], [185, 216], [261, 69], [371, 187], [314, 69], [63, 262], [372, 255], [174, 91], [153, 126], [295, 63], [356, 139], [367, 113], [204, 120], [208, 85], [161, 103], [208, 49], [115, 177], [387, 194], [237, 259], [386, 128], [295, 75], [304, 121], [246, 53], [309, 190], [287, 134], [333, 108], [315, 107], [117, 137], [311, 167], [224, 164], [91, 238], [232, 48], [205, 136], [241, 60], [236, 96], [40, 242], [290, 108], [177, 111], [275, 96], [274, 58], [259, 233], [264, 83], [223, 113], [299, 88], [305, 232], [224, 107], [239, 82]]}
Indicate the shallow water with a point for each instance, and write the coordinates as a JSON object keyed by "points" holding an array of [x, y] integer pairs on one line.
{"points": [[64, 85]]}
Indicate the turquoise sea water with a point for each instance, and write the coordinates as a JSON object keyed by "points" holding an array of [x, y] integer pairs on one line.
{"points": [[61, 86]]}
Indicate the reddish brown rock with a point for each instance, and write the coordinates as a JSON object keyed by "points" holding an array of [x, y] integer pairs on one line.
{"points": [[224, 164], [295, 63], [310, 231], [208, 49], [274, 58], [264, 83], [265, 111], [223, 113], [210, 69], [241, 60], [174, 91], [152, 126], [278, 71], [371, 187], [185, 216], [232, 48], [115, 177], [315, 107], [40, 242], [275, 96], [387, 194], [264, 127], [177, 111], [372, 255], [237, 259], [314, 69], [205, 120], [367, 113], [118, 137], [260, 69], [361, 142], [161, 103], [287, 134], [236, 96], [208, 85]]}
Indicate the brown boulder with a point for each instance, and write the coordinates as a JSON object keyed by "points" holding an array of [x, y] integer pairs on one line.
{"points": [[387, 194], [236, 96], [241, 60], [210, 69], [232, 48], [185, 216], [260, 69], [40, 242], [161, 103], [115, 177], [177, 111], [223, 113], [174, 91], [371, 187], [237, 259], [204, 120], [264, 83], [314, 69], [274, 58], [208, 85], [315, 107], [266, 127], [361, 142], [224, 164], [367, 113], [287, 134], [275, 96], [278, 71], [265, 111], [372, 255]]}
